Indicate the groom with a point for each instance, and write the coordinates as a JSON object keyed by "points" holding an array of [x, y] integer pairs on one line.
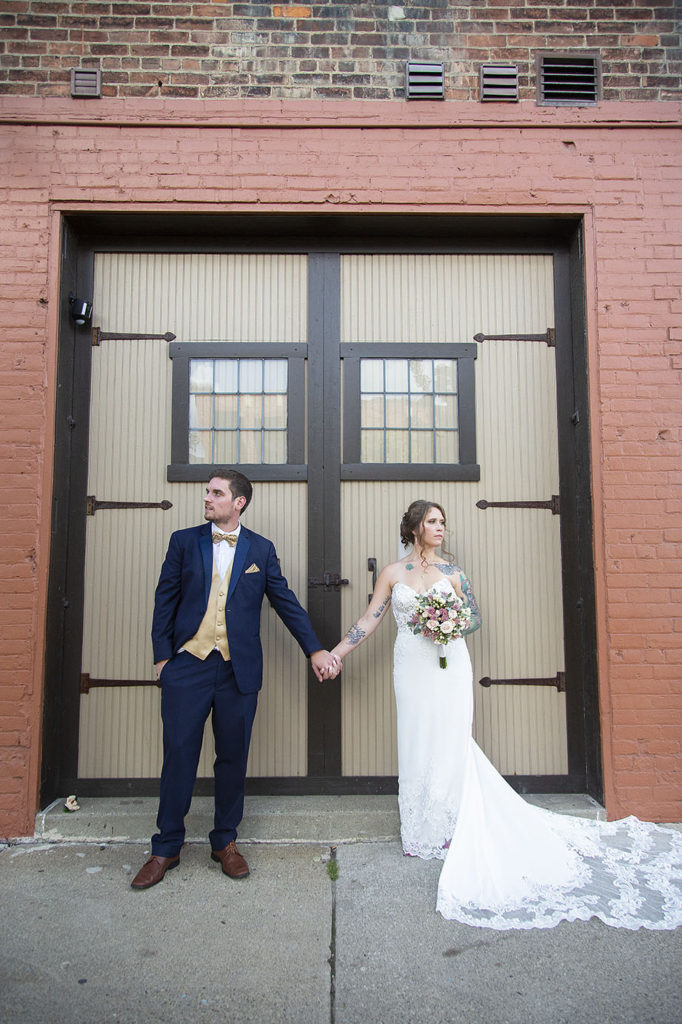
{"points": [[208, 657]]}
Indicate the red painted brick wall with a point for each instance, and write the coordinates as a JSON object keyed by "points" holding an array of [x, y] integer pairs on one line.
{"points": [[24, 433], [327, 51], [619, 165]]}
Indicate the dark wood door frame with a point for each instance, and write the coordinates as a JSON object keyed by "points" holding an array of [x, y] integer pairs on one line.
{"points": [[324, 238], [66, 586], [324, 501]]}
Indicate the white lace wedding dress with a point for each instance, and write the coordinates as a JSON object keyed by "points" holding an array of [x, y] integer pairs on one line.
{"points": [[509, 864]]}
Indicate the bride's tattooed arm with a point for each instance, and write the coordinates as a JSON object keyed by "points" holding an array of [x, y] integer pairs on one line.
{"points": [[363, 628], [449, 569]]}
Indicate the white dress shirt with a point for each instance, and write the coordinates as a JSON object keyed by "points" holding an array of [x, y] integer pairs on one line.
{"points": [[223, 553]]}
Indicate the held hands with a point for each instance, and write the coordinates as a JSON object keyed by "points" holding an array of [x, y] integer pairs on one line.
{"points": [[325, 665]]}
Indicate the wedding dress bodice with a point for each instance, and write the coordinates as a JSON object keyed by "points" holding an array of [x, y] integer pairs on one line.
{"points": [[404, 600]]}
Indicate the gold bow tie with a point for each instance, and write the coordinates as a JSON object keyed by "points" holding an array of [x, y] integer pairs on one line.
{"points": [[231, 538]]}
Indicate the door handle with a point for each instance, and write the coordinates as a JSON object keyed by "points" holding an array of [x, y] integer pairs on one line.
{"points": [[372, 567]]}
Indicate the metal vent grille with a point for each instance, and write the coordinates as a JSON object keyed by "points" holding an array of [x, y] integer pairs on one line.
{"points": [[424, 81], [568, 79], [500, 82], [86, 82]]}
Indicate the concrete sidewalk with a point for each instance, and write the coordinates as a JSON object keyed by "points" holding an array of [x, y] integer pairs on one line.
{"points": [[290, 943]]}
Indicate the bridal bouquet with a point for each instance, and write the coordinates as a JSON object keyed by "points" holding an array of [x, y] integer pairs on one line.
{"points": [[440, 617]]}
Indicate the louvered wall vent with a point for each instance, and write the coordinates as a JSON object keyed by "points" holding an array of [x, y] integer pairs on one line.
{"points": [[568, 79], [500, 82], [424, 81], [86, 83]]}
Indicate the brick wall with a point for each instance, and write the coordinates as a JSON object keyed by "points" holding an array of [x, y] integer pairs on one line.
{"points": [[618, 164], [23, 436], [325, 51]]}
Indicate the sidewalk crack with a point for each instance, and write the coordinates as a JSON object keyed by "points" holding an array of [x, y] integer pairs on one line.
{"points": [[333, 872]]}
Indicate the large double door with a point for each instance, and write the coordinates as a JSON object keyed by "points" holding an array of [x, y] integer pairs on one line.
{"points": [[345, 386]]}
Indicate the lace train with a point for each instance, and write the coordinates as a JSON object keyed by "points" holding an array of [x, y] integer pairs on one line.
{"points": [[512, 865]]}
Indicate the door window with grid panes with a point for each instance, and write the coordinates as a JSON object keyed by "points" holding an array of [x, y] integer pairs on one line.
{"points": [[409, 411], [238, 405]]}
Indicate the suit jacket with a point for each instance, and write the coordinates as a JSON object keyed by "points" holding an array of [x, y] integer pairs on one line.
{"points": [[182, 597]]}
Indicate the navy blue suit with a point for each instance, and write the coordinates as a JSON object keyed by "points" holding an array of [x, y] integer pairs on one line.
{"points": [[191, 688]]}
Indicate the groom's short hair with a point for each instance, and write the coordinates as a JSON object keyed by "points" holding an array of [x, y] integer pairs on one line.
{"points": [[240, 486]]}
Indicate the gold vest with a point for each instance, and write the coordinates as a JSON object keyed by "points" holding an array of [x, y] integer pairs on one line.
{"points": [[213, 631]]}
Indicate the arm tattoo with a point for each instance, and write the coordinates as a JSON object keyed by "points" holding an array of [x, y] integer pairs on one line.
{"points": [[471, 601], [379, 613], [355, 635]]}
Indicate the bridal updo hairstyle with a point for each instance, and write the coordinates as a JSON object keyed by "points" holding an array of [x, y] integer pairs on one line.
{"points": [[411, 528]]}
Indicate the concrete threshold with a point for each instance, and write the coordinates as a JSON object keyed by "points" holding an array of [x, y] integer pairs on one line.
{"points": [[284, 820]]}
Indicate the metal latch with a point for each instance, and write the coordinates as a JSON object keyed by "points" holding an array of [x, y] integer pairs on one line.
{"points": [[329, 581]]}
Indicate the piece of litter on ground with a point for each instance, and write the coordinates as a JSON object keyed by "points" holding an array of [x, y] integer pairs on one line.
{"points": [[92, 871]]}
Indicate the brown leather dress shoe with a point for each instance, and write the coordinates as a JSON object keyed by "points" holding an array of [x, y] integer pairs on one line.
{"points": [[232, 861], [153, 871]]}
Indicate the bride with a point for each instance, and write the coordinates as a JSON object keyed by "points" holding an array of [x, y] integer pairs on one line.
{"points": [[507, 864]]}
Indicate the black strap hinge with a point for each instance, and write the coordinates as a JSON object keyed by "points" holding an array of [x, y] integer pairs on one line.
{"points": [[549, 337], [92, 505], [559, 680], [553, 505], [99, 336]]}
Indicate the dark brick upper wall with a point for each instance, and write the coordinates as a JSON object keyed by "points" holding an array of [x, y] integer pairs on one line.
{"points": [[318, 51]]}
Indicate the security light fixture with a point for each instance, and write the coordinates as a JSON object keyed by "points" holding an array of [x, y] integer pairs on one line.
{"points": [[81, 311]]}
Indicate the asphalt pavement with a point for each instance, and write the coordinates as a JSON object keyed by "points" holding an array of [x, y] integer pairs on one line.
{"points": [[333, 926]]}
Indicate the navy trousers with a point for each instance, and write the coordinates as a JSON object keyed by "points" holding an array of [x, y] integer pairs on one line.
{"points": [[190, 690]]}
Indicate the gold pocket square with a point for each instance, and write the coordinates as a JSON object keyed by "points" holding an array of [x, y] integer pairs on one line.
{"points": [[253, 568]]}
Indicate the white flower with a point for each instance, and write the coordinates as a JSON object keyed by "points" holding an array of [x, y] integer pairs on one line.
{"points": [[432, 624], [71, 804], [447, 627]]}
